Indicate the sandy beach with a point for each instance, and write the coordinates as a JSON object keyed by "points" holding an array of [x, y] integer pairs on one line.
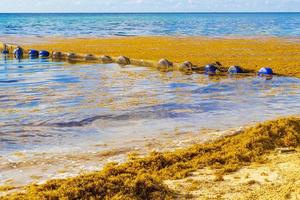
{"points": [[256, 162]]}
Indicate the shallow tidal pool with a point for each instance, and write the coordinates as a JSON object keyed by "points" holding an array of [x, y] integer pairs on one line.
{"points": [[46, 104]]}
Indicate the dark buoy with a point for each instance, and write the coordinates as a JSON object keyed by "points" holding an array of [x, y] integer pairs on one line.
{"points": [[164, 64], [186, 67], [56, 54], [89, 57], [210, 69], [106, 59], [5, 50], [33, 53], [122, 60], [71, 55], [18, 52], [265, 71], [44, 54], [235, 70]]}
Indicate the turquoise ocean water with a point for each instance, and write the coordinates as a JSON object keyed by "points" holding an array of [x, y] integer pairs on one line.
{"points": [[204, 24]]}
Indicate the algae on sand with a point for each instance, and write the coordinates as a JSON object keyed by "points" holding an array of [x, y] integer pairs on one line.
{"points": [[142, 178]]}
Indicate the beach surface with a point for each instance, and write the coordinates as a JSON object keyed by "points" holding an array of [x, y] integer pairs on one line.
{"points": [[281, 54], [280, 176], [258, 162]]}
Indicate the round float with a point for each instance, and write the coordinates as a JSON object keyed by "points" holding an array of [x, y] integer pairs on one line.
{"points": [[123, 60], [164, 64], [186, 66], [44, 54], [210, 69], [89, 57], [106, 59], [57, 54], [235, 70], [5, 51], [33, 53], [265, 71], [71, 55], [18, 52]]}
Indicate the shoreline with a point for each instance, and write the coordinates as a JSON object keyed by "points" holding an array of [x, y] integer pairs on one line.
{"points": [[29, 38], [41, 166], [263, 170]]}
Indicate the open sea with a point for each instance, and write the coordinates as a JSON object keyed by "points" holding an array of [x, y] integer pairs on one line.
{"points": [[136, 24]]}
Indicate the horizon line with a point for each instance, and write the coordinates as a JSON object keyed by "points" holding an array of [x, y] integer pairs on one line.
{"points": [[154, 12]]}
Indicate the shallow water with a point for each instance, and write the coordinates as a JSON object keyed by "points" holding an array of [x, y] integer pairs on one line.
{"points": [[204, 24], [49, 105]]}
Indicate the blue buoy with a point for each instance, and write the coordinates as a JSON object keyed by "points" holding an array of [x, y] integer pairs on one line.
{"points": [[33, 53], [5, 51], [18, 52], [44, 54], [265, 71], [235, 70], [210, 69]]}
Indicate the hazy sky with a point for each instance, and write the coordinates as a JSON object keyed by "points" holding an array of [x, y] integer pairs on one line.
{"points": [[149, 5]]}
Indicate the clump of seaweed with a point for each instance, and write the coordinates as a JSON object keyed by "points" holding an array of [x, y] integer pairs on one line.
{"points": [[5, 188], [142, 178], [249, 53]]}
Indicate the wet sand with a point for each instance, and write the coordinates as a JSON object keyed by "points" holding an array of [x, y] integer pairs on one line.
{"points": [[21, 168], [254, 169], [281, 54]]}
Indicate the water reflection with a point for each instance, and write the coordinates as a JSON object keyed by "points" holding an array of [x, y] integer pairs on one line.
{"points": [[53, 103]]}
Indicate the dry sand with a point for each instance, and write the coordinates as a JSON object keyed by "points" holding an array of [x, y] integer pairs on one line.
{"points": [[276, 179]]}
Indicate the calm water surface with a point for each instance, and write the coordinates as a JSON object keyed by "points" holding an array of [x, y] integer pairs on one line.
{"points": [[45, 103], [204, 24]]}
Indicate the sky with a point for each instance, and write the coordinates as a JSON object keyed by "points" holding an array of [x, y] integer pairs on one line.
{"points": [[149, 6]]}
